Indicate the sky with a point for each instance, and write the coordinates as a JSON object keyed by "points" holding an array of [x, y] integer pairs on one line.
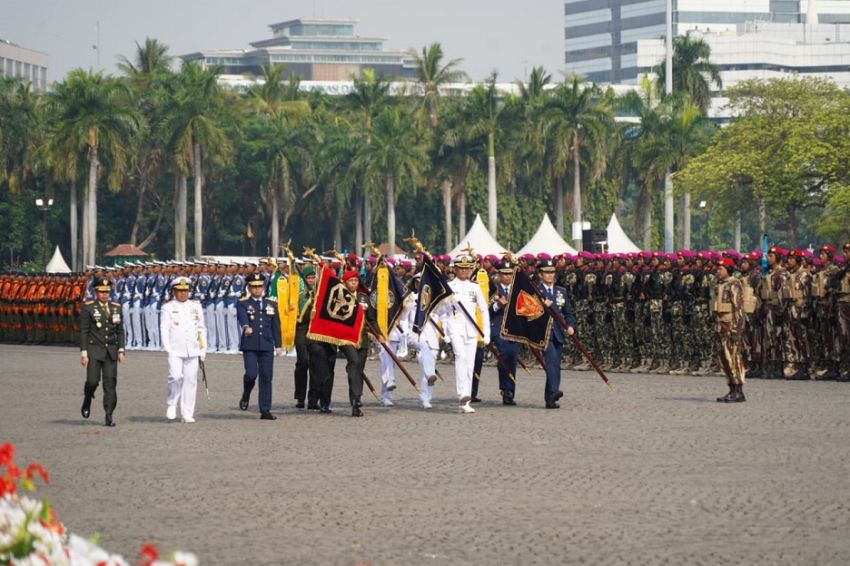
{"points": [[509, 36]]}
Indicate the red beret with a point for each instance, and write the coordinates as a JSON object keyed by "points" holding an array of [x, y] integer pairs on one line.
{"points": [[350, 274]]}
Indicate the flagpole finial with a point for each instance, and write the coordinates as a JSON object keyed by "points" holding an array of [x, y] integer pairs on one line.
{"points": [[373, 249]]}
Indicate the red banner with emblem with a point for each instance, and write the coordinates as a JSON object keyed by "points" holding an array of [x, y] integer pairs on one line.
{"points": [[337, 317]]}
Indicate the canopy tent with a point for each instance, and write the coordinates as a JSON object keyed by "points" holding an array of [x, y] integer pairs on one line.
{"points": [[547, 240], [122, 253], [57, 263], [480, 240], [618, 241]]}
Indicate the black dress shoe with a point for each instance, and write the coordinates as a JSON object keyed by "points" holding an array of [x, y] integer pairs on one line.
{"points": [[508, 401], [267, 416], [552, 405], [313, 405], [323, 408], [243, 402], [85, 410], [556, 396], [475, 400], [109, 421], [356, 412], [299, 404]]}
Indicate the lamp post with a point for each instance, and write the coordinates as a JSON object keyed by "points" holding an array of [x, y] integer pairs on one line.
{"points": [[703, 205], [44, 205]]}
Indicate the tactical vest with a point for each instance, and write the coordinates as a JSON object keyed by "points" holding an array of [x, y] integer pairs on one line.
{"points": [[721, 304], [749, 296], [844, 288]]}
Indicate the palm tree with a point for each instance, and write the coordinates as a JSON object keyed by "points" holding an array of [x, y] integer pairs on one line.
{"points": [[193, 128], [693, 73], [151, 59], [20, 125], [275, 94], [432, 74], [394, 157], [578, 116], [93, 116]]}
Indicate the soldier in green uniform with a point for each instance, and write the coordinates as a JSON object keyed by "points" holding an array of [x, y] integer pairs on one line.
{"points": [[101, 348]]}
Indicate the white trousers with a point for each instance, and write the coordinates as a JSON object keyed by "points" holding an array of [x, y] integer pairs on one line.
{"points": [[427, 358], [182, 384], [220, 327], [128, 327], [387, 369], [136, 322], [212, 330], [152, 326], [232, 328], [464, 350]]}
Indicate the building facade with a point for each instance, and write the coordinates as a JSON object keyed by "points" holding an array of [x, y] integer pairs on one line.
{"points": [[601, 37], [22, 63], [314, 50]]}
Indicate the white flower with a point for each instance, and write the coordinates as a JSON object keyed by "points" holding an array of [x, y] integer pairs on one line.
{"points": [[181, 558]]}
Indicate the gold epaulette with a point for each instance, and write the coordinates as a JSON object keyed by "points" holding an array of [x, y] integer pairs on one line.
{"points": [[245, 298], [89, 302], [115, 304]]}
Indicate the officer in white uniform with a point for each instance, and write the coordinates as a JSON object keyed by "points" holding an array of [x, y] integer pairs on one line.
{"points": [[397, 335], [427, 345], [184, 338], [460, 330]]}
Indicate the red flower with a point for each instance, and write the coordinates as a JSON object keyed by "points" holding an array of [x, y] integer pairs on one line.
{"points": [[147, 554], [7, 454], [33, 469], [12, 472], [6, 486]]}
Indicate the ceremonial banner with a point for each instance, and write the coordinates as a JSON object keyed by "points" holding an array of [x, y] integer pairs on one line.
{"points": [[388, 300], [336, 318], [433, 289], [526, 320]]}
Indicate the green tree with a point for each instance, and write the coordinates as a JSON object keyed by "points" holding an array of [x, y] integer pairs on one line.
{"points": [[432, 75], [693, 72]]}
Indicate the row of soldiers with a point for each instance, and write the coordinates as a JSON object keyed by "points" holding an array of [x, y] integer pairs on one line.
{"points": [[641, 312]]}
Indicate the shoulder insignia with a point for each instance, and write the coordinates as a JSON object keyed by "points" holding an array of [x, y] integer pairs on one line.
{"points": [[271, 301], [245, 298], [114, 304], [89, 302]]}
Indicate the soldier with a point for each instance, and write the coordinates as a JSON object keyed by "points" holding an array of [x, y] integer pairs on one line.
{"points": [[356, 356], [258, 319], [136, 306], [184, 339], [753, 315], [795, 295], [774, 321], [101, 348], [823, 290], [461, 331], [556, 297], [427, 346], [681, 313], [306, 286], [727, 306], [508, 350], [232, 295], [841, 285]]}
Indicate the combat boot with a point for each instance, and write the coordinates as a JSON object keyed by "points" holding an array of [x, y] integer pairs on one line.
{"points": [[738, 396], [795, 372], [653, 365], [704, 368], [583, 367], [355, 408], [88, 395], [828, 373], [663, 368], [642, 367], [728, 397], [754, 371]]}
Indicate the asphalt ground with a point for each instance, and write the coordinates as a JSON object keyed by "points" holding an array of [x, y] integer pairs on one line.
{"points": [[653, 472]]}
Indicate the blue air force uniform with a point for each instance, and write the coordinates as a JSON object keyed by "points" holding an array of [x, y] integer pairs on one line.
{"points": [[509, 351], [258, 346], [552, 355]]}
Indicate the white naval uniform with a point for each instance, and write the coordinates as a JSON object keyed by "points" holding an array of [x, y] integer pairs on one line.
{"points": [[462, 332], [427, 345], [184, 338], [396, 335]]}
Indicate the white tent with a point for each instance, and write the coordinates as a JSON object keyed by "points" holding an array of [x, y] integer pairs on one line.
{"points": [[480, 239], [618, 241], [57, 263], [547, 240]]}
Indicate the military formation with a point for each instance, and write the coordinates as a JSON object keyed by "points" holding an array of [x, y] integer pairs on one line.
{"points": [[782, 314]]}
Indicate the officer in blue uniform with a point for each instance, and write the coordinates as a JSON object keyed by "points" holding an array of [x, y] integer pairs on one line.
{"points": [[259, 343], [557, 298], [509, 351]]}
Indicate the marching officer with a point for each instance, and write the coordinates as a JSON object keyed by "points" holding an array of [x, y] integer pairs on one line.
{"points": [[556, 297], [260, 342], [184, 338], [509, 351], [101, 348]]}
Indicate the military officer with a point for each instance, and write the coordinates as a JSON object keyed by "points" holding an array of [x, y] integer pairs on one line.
{"points": [[356, 356], [509, 351], [101, 348], [557, 298], [302, 356], [728, 308], [184, 337], [260, 342]]}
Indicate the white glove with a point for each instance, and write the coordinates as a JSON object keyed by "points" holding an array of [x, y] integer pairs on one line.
{"points": [[203, 356], [486, 339], [447, 339]]}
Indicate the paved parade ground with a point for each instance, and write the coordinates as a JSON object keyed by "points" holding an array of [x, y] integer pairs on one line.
{"points": [[653, 472]]}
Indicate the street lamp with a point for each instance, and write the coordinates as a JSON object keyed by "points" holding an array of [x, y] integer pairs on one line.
{"points": [[44, 205], [703, 205]]}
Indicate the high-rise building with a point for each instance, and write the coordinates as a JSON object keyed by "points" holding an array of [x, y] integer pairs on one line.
{"points": [[601, 36], [314, 50], [26, 64]]}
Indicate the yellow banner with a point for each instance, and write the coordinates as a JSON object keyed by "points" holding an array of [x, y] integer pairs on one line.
{"points": [[288, 316], [382, 279], [484, 282]]}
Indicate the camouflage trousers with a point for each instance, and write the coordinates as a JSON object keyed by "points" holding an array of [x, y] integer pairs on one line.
{"points": [[730, 358], [682, 338], [659, 334], [844, 333], [602, 331], [643, 337], [752, 340], [774, 333], [796, 339], [572, 354], [703, 338], [827, 329], [621, 347]]}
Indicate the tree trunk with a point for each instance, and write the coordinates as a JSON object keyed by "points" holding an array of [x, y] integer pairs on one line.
{"points": [[358, 223], [275, 249], [669, 242], [75, 261], [559, 205], [447, 213], [461, 211], [577, 244], [92, 209], [367, 218], [793, 223], [492, 217], [198, 216], [762, 218], [738, 231], [181, 222], [337, 228], [84, 236], [647, 224], [686, 220], [390, 217], [140, 207]]}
